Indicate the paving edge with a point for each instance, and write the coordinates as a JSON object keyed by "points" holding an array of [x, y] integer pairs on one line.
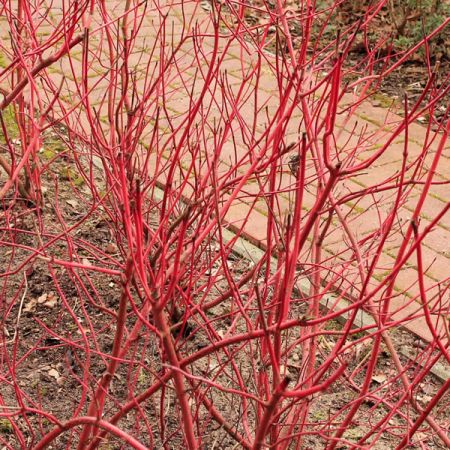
{"points": [[251, 252]]}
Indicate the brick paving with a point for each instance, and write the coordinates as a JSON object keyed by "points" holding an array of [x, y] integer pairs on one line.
{"points": [[238, 58]]}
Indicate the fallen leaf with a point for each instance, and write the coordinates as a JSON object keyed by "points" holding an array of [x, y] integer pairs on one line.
{"points": [[51, 301], [54, 374], [81, 330], [419, 436], [428, 389], [380, 378], [111, 249], [42, 299], [30, 306], [73, 203], [425, 398], [284, 370]]}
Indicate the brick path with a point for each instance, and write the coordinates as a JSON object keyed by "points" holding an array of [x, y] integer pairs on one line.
{"points": [[374, 120]]}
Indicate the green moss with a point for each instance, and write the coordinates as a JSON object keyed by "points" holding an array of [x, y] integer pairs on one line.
{"points": [[261, 211], [432, 276], [3, 61], [378, 276], [319, 415], [437, 197], [359, 183], [55, 146], [48, 154], [67, 99], [355, 208], [354, 433], [143, 378], [43, 34], [374, 147], [67, 173], [53, 69], [356, 336], [5, 426], [369, 119], [428, 218], [383, 100], [52, 148]]}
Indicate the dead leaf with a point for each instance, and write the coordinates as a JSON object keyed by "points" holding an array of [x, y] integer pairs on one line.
{"points": [[380, 378], [54, 374], [30, 306], [111, 249], [428, 389], [73, 203], [425, 398], [51, 301], [42, 299], [419, 436], [82, 330]]}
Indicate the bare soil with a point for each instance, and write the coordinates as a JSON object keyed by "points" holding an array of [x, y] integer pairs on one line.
{"points": [[58, 328]]}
